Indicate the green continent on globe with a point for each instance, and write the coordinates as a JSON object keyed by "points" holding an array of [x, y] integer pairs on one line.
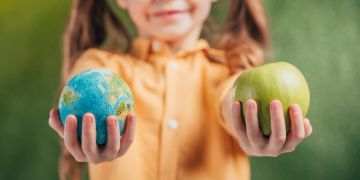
{"points": [[118, 89], [123, 109], [114, 84], [68, 96]]}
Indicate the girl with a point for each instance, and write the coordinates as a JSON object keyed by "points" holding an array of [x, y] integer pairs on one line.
{"points": [[188, 127]]}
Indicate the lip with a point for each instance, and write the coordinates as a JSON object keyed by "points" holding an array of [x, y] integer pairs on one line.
{"points": [[168, 14]]}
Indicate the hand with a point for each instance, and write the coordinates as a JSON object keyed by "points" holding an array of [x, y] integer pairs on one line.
{"points": [[251, 138], [87, 150]]}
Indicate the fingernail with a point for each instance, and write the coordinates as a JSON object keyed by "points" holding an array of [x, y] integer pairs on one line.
{"points": [[70, 122], [112, 121], [294, 108], [233, 105], [88, 117], [249, 105], [273, 105], [131, 114]]}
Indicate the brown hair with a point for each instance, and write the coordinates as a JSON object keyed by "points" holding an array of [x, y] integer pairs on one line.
{"points": [[244, 39], [245, 36], [88, 27]]}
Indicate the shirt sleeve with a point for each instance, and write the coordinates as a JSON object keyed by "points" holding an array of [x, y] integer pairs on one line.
{"points": [[221, 84], [223, 90]]}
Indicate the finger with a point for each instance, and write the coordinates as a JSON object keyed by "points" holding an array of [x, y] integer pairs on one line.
{"points": [[113, 140], [88, 138], [71, 140], [308, 127], [278, 129], [55, 122], [253, 131], [297, 133], [129, 134], [240, 129]]}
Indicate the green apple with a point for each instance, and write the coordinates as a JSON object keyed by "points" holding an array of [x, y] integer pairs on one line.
{"points": [[274, 81]]}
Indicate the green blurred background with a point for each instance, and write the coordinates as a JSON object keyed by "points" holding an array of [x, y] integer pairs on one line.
{"points": [[320, 37]]}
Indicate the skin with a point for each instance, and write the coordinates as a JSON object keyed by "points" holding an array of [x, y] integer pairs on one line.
{"points": [[250, 137], [88, 151], [179, 32]]}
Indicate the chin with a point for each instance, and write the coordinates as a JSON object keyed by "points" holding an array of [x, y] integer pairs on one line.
{"points": [[171, 33], [170, 36]]}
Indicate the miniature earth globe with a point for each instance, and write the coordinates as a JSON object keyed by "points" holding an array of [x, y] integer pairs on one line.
{"points": [[100, 92]]}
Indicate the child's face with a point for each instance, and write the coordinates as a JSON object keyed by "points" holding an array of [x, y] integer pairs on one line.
{"points": [[167, 20]]}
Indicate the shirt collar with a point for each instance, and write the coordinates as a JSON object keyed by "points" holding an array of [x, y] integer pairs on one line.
{"points": [[142, 48]]}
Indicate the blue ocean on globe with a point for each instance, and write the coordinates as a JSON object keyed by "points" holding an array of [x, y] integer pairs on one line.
{"points": [[100, 92]]}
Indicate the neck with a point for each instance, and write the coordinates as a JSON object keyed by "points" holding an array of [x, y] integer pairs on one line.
{"points": [[182, 43]]}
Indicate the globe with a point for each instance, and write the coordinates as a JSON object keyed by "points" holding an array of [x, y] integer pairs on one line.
{"points": [[100, 92]]}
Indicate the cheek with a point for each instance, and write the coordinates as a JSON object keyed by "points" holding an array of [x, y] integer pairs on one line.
{"points": [[137, 10], [195, 19], [201, 10], [138, 19]]}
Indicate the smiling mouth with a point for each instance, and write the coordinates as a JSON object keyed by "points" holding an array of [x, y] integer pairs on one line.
{"points": [[168, 13]]}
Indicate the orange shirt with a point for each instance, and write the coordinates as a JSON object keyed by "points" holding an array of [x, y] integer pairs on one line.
{"points": [[180, 133]]}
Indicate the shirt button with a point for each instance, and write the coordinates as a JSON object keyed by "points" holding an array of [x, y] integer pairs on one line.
{"points": [[156, 46], [172, 124], [173, 65]]}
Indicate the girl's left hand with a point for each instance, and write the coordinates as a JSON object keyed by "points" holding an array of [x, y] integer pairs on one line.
{"points": [[251, 138]]}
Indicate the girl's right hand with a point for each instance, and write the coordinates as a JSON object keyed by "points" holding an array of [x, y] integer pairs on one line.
{"points": [[87, 150]]}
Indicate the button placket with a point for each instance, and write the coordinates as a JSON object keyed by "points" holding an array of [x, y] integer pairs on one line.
{"points": [[172, 124], [173, 65], [156, 46]]}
